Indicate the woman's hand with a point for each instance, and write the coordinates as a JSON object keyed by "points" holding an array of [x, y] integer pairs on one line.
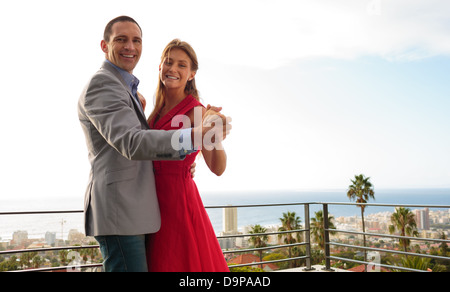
{"points": [[193, 169], [215, 156], [212, 115], [142, 100]]}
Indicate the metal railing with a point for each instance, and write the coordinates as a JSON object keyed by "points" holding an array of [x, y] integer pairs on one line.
{"points": [[305, 243], [328, 243], [51, 249], [307, 239]]}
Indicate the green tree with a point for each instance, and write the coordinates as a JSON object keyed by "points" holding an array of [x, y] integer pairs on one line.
{"points": [[277, 256], [404, 221], [63, 257], [290, 221], [417, 263], [26, 259], [37, 262], [361, 190], [89, 252], [258, 241], [443, 247], [246, 269], [10, 265], [317, 228]]}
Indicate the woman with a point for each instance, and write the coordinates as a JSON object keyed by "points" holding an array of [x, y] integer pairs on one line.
{"points": [[186, 241]]}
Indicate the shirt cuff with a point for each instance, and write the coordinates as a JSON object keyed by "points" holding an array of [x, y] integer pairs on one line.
{"points": [[186, 143]]}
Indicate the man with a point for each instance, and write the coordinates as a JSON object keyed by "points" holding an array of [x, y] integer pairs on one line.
{"points": [[121, 206]]}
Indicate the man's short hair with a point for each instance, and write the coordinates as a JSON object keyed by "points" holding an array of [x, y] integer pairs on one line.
{"points": [[108, 28]]}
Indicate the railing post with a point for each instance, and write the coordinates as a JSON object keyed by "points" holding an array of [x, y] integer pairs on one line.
{"points": [[308, 239], [326, 237]]}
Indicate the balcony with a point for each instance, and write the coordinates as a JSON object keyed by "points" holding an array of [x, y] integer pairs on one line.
{"points": [[329, 252]]}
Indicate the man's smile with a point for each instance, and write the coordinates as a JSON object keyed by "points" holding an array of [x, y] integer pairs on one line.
{"points": [[128, 56]]}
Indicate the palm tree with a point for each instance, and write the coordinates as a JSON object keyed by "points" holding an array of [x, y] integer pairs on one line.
{"points": [[290, 221], [417, 263], [361, 190], [63, 257], [443, 246], [26, 259], [89, 252], [404, 221], [258, 240], [37, 262], [317, 228]]}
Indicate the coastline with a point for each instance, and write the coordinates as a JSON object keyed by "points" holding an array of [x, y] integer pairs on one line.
{"points": [[38, 225]]}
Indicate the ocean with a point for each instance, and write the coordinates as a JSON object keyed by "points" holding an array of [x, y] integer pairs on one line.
{"points": [[61, 224]]}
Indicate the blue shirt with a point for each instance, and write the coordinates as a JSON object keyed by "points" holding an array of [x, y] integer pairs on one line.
{"points": [[131, 81], [133, 84]]}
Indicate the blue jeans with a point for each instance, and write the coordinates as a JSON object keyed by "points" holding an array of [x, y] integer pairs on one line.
{"points": [[123, 253]]}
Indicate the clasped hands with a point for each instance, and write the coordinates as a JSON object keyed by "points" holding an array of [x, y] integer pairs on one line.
{"points": [[207, 135], [214, 134], [214, 129]]}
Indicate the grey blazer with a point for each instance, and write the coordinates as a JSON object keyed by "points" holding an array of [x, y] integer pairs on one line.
{"points": [[121, 196]]}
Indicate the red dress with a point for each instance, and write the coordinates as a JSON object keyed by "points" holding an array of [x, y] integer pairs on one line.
{"points": [[186, 241]]}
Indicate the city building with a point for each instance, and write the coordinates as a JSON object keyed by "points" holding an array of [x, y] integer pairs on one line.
{"points": [[230, 220], [20, 236], [229, 228], [50, 238], [75, 237], [423, 219]]}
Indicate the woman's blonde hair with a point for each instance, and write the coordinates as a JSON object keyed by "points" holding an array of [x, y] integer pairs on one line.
{"points": [[191, 88]]}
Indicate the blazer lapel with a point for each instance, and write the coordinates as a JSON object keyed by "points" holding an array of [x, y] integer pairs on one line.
{"points": [[137, 106]]}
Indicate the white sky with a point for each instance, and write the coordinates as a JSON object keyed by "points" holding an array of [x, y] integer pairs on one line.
{"points": [[318, 90]]}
